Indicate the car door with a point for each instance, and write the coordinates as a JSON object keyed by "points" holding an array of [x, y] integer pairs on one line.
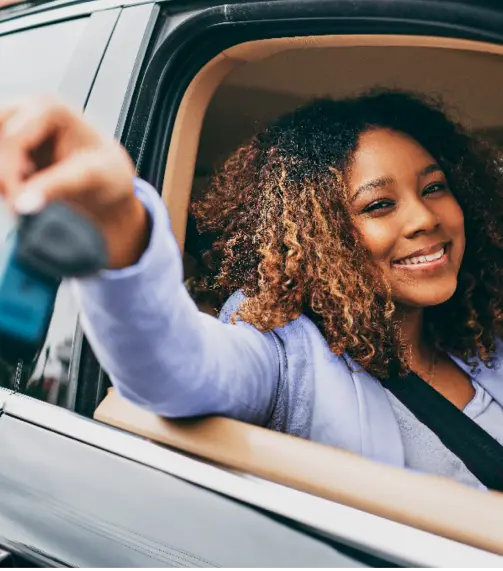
{"points": [[184, 47]]}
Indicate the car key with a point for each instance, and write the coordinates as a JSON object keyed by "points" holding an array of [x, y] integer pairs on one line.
{"points": [[45, 248]]}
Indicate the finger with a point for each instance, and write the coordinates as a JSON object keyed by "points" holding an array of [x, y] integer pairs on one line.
{"points": [[68, 179], [12, 106], [23, 131], [17, 137], [33, 123], [15, 167], [6, 112]]}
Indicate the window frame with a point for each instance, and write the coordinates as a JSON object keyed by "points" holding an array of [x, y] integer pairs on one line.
{"points": [[108, 107]]}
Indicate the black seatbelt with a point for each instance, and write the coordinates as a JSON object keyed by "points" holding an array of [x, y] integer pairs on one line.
{"points": [[480, 452]]}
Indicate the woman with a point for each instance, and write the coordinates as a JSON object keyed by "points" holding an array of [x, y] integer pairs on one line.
{"points": [[356, 239]]}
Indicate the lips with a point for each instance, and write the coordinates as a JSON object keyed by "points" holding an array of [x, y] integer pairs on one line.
{"points": [[423, 255]]}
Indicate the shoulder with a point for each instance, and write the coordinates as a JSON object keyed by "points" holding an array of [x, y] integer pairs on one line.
{"points": [[231, 306], [233, 303], [298, 334], [498, 354]]}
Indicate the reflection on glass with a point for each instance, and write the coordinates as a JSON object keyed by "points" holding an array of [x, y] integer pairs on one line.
{"points": [[50, 381], [7, 223], [35, 61]]}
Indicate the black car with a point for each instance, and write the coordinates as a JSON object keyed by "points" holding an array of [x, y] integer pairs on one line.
{"points": [[87, 479]]}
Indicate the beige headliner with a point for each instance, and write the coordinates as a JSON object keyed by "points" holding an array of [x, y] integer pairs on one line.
{"points": [[433, 504]]}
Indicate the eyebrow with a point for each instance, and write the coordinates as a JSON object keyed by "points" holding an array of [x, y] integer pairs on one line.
{"points": [[376, 183], [434, 167], [385, 180]]}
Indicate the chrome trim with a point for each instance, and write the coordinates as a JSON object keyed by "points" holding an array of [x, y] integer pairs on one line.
{"points": [[73, 372], [4, 395], [385, 538], [46, 14]]}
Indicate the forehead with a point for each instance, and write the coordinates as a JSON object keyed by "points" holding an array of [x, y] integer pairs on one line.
{"points": [[386, 153]]}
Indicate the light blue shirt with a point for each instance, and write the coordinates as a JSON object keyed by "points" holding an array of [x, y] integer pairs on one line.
{"points": [[166, 356]]}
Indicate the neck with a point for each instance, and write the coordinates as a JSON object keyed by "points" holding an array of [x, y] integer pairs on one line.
{"points": [[410, 322]]}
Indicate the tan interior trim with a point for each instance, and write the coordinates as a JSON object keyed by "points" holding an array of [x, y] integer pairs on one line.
{"points": [[429, 503], [261, 49], [182, 155], [184, 144]]}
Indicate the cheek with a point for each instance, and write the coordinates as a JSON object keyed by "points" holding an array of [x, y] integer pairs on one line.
{"points": [[452, 219], [379, 238]]}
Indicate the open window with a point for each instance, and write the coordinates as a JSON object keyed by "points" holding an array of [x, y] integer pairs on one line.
{"points": [[272, 77], [241, 88]]}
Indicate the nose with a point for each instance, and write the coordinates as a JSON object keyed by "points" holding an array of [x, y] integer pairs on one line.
{"points": [[419, 218]]}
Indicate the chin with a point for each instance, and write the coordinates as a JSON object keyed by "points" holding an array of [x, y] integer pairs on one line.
{"points": [[428, 297]]}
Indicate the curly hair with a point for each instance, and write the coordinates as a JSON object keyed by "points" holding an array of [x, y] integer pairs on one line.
{"points": [[276, 214]]}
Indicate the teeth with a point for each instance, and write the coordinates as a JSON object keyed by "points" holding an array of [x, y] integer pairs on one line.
{"points": [[423, 259]]}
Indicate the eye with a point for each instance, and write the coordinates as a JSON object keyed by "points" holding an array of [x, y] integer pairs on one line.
{"points": [[435, 187], [378, 206]]}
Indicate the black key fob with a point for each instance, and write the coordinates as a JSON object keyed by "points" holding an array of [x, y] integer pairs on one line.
{"points": [[46, 247]]}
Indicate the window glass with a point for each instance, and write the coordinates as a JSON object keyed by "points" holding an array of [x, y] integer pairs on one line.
{"points": [[35, 61]]}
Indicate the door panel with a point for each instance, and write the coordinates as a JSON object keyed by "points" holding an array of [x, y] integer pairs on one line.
{"points": [[86, 507]]}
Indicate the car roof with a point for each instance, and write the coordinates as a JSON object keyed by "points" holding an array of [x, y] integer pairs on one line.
{"points": [[14, 8]]}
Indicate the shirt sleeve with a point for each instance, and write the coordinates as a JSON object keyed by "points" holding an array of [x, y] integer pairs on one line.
{"points": [[160, 351]]}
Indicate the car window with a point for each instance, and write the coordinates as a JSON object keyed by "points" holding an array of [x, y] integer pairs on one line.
{"points": [[31, 62], [35, 60]]}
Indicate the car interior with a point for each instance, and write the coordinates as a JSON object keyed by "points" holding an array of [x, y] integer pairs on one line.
{"points": [[232, 96]]}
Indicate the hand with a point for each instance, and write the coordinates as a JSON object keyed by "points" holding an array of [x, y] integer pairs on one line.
{"points": [[48, 152]]}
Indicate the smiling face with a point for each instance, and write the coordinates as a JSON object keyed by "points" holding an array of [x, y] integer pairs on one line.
{"points": [[408, 217]]}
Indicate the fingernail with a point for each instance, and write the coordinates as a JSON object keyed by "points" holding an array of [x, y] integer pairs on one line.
{"points": [[29, 202]]}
